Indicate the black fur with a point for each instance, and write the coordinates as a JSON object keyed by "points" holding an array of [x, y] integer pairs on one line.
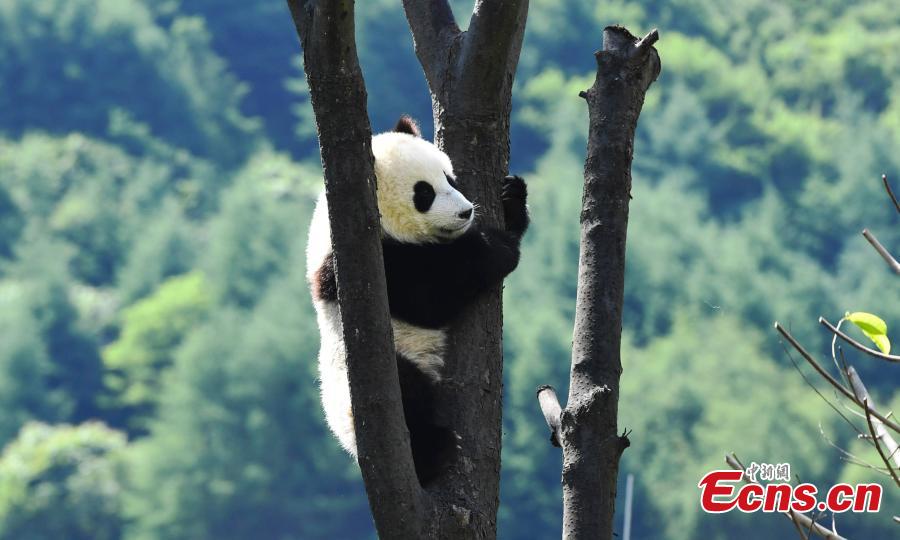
{"points": [[407, 124], [515, 213], [452, 182], [430, 284], [423, 196], [324, 286], [433, 446]]}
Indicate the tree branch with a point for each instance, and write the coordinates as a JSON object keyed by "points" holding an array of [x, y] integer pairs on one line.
{"points": [[493, 41], [890, 192], [434, 29], [643, 46], [831, 380], [801, 520], [338, 96], [876, 427], [857, 345], [876, 437], [552, 411], [885, 254]]}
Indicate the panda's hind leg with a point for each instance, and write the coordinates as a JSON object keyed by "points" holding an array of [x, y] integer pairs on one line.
{"points": [[433, 446]]}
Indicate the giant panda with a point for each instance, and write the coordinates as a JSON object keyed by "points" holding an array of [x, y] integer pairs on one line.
{"points": [[437, 260]]}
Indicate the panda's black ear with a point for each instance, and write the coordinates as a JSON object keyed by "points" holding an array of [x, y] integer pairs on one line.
{"points": [[407, 124]]}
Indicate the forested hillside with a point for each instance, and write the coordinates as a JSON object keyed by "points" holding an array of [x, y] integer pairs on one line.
{"points": [[158, 168]]}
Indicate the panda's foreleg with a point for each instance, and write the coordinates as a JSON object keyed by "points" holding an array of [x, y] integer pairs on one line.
{"points": [[433, 446]]}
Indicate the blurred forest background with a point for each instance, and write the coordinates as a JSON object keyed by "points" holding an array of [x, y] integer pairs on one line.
{"points": [[158, 167]]}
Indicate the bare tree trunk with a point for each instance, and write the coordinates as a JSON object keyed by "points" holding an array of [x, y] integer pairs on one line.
{"points": [[470, 75], [587, 428], [338, 96]]}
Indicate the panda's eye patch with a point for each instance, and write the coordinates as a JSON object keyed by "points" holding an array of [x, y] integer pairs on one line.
{"points": [[452, 182], [424, 196]]}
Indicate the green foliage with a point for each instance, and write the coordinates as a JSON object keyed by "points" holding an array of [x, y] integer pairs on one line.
{"points": [[706, 377], [56, 357], [167, 248], [151, 330], [253, 454], [60, 59], [258, 221], [58, 183], [145, 214], [24, 367], [62, 482], [11, 223], [233, 26]]}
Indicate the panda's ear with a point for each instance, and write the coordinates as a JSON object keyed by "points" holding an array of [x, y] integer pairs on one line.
{"points": [[407, 124]]}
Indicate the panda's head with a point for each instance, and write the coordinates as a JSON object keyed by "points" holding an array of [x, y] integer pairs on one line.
{"points": [[418, 198]]}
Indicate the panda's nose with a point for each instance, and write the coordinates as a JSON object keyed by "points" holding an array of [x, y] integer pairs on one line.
{"points": [[465, 214]]}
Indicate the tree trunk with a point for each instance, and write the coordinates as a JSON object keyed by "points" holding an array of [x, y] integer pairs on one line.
{"points": [[587, 428], [470, 75], [338, 96]]}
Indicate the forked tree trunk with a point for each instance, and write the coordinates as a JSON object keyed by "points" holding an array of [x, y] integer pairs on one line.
{"points": [[470, 74]]}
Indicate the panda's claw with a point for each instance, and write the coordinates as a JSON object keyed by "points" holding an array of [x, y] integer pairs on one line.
{"points": [[514, 188], [515, 211]]}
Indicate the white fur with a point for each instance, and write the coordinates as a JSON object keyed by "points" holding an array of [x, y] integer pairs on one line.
{"points": [[401, 160]]}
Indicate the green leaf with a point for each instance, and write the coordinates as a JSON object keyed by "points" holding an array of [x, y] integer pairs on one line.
{"points": [[882, 342], [873, 327]]}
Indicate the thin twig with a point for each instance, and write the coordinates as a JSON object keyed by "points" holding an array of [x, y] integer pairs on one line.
{"points": [[646, 42], [890, 193], [816, 390], [799, 530], [856, 344], [875, 439], [847, 456], [863, 395], [812, 523], [844, 366], [831, 380], [885, 254], [834, 355]]}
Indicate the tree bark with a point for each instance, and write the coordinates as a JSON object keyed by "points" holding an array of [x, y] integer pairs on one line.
{"points": [[470, 76], [338, 95], [588, 426]]}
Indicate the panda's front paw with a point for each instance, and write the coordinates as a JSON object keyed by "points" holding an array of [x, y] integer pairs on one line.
{"points": [[515, 211]]}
